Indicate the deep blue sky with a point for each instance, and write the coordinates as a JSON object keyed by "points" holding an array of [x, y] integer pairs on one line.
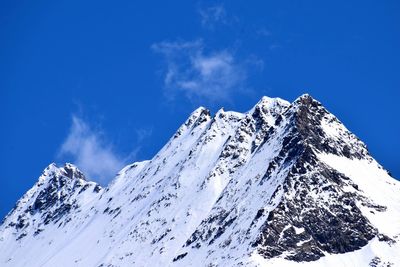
{"points": [[118, 78]]}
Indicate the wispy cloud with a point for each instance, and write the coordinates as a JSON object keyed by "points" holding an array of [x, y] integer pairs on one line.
{"points": [[143, 133], [212, 15], [212, 75], [90, 152], [263, 32], [142, 136]]}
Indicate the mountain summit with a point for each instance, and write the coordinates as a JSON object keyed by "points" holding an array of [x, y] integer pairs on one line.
{"points": [[284, 184]]}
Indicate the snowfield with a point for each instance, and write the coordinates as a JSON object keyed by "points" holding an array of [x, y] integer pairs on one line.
{"points": [[284, 184]]}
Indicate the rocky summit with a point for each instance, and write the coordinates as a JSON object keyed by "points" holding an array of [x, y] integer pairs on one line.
{"points": [[284, 184]]}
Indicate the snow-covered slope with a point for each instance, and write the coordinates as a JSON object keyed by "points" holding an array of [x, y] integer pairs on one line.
{"points": [[285, 184]]}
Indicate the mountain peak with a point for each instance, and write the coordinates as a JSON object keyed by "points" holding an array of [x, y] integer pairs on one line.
{"points": [[72, 172], [306, 100], [321, 130], [266, 100], [305, 96], [51, 199], [198, 111], [269, 103], [281, 184], [69, 170]]}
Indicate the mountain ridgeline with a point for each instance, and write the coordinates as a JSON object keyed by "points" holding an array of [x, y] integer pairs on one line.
{"points": [[284, 184]]}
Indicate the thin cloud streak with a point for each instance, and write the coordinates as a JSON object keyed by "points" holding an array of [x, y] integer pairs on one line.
{"points": [[143, 133], [200, 75], [213, 15]]}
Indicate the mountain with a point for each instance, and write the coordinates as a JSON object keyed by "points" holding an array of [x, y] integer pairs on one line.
{"points": [[284, 184]]}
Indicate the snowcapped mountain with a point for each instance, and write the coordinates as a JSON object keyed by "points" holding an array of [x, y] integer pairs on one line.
{"points": [[284, 184]]}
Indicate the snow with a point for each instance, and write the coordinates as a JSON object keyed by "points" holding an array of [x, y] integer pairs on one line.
{"points": [[208, 184], [373, 180], [377, 184], [357, 258]]}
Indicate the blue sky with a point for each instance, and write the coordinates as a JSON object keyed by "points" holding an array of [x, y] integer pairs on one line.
{"points": [[102, 83]]}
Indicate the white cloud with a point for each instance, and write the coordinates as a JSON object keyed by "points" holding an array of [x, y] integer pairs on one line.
{"points": [[89, 151], [189, 69], [210, 16]]}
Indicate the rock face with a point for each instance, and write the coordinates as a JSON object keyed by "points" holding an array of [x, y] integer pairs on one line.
{"points": [[330, 221], [53, 199], [281, 185]]}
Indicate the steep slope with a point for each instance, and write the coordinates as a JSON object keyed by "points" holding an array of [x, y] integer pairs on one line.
{"points": [[283, 184], [51, 206]]}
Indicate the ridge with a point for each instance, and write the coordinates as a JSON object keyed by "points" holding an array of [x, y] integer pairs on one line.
{"points": [[280, 185]]}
